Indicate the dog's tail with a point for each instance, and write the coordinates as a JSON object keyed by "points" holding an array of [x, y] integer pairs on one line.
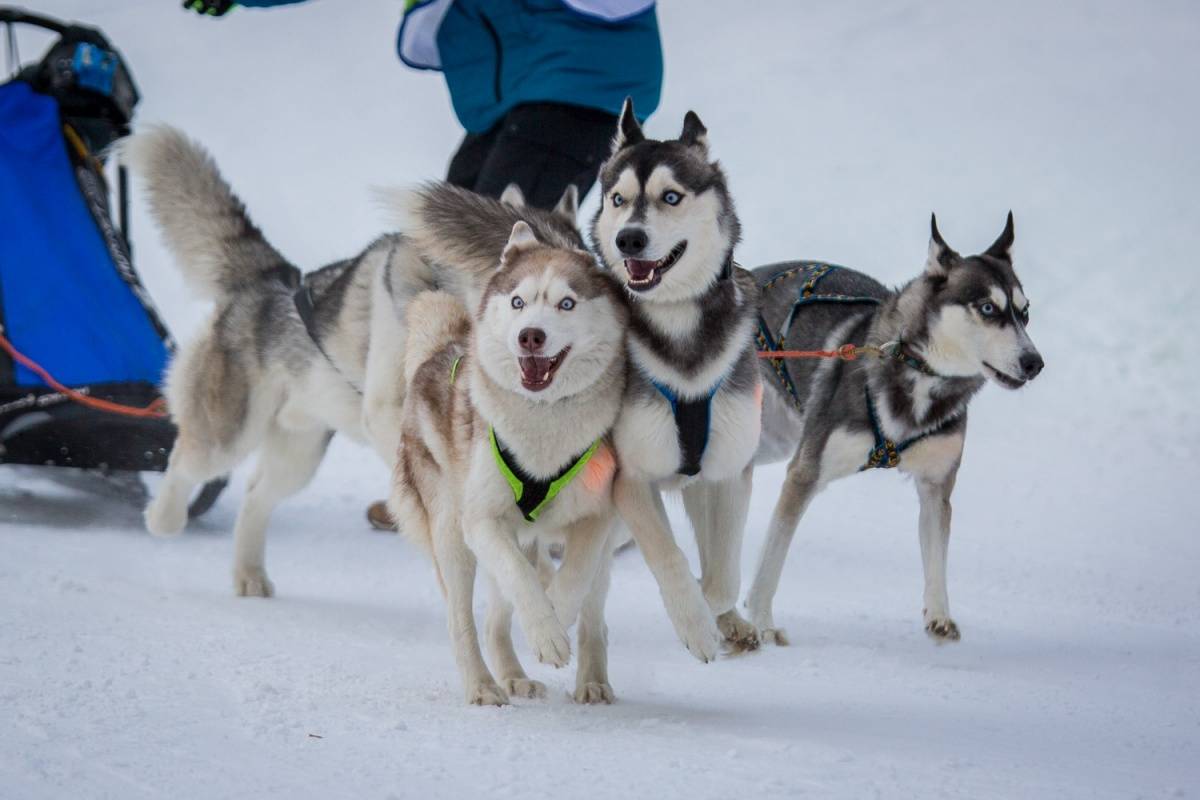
{"points": [[461, 231], [220, 251], [434, 320]]}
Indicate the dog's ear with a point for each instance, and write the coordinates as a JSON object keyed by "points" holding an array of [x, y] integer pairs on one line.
{"points": [[694, 133], [521, 239], [629, 132], [1002, 247], [941, 257], [513, 196], [568, 205]]}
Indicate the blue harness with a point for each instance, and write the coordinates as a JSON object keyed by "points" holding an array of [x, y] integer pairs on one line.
{"points": [[692, 420], [886, 453]]}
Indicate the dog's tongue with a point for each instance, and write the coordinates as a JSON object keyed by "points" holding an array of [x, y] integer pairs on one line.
{"points": [[534, 368], [639, 270]]}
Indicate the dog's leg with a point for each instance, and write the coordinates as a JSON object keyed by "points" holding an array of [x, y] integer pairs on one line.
{"points": [[456, 565], [721, 522], [189, 466], [934, 528], [496, 548], [286, 463], [585, 548], [642, 509], [799, 487], [500, 645], [591, 676]]}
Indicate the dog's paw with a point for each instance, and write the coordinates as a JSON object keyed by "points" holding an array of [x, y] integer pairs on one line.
{"points": [[740, 635], [594, 693], [524, 687], [696, 626], [164, 518], [777, 636], [486, 693], [549, 641], [942, 630], [252, 582]]}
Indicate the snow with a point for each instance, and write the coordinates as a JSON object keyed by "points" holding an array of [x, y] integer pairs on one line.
{"points": [[128, 669]]}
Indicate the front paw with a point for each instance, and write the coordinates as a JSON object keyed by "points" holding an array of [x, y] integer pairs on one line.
{"points": [[549, 641], [164, 518], [486, 693], [524, 687], [694, 623], [740, 635], [252, 582], [942, 629], [594, 693], [776, 636]]}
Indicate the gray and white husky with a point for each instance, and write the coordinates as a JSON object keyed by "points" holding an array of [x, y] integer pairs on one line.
{"points": [[942, 336], [666, 227], [285, 359], [505, 444]]}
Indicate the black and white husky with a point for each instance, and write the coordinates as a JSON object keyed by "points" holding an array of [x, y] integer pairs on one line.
{"points": [[666, 227], [941, 337]]}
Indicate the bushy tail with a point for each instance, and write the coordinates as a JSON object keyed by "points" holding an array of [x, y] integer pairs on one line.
{"points": [[219, 250], [434, 320], [464, 232]]}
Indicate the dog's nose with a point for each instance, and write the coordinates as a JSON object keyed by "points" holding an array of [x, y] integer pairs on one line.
{"points": [[532, 340], [631, 241], [1031, 364]]}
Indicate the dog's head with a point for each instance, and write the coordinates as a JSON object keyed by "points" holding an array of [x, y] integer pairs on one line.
{"points": [[549, 324], [977, 314], [666, 223]]}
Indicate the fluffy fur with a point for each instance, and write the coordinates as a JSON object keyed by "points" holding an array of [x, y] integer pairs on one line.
{"points": [[449, 490], [964, 318]]}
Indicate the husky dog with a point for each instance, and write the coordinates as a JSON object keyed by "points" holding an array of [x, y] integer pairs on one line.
{"points": [[284, 361], [941, 337], [504, 442], [666, 227]]}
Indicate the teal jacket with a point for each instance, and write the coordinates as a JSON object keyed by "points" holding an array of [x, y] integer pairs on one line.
{"points": [[497, 54]]}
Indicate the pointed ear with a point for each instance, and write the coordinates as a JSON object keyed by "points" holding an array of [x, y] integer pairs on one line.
{"points": [[513, 196], [629, 132], [568, 204], [941, 257], [694, 133], [1002, 247], [520, 240]]}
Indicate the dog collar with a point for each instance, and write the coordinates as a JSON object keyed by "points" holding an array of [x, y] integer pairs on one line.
{"points": [[531, 494], [907, 357]]}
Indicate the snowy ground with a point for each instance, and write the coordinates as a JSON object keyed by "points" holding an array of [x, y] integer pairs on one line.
{"points": [[128, 669]]}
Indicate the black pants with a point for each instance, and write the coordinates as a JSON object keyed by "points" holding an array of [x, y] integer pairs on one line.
{"points": [[541, 147]]}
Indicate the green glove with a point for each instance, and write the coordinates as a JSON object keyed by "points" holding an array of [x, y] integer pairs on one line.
{"points": [[210, 8]]}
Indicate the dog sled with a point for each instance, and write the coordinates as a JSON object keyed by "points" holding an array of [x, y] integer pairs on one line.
{"points": [[82, 348]]}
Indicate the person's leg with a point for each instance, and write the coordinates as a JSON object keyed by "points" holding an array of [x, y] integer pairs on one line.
{"points": [[467, 162], [543, 147]]}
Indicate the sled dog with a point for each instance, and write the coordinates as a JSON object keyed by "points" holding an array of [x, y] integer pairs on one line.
{"points": [[505, 444], [939, 339], [285, 359], [666, 228]]}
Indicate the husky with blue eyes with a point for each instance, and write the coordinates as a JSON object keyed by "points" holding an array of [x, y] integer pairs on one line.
{"points": [[936, 342], [666, 229]]}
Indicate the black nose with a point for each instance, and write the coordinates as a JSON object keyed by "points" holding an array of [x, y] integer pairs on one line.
{"points": [[532, 340], [631, 241], [1031, 364]]}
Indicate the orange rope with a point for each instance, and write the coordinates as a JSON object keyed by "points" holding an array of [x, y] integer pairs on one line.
{"points": [[847, 352], [156, 410]]}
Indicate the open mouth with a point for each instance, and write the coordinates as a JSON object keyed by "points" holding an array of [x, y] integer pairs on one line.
{"points": [[537, 372], [645, 275], [1004, 379]]}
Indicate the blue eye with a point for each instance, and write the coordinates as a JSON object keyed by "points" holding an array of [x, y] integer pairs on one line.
{"points": [[672, 198], [566, 304], [517, 302], [617, 200], [988, 309]]}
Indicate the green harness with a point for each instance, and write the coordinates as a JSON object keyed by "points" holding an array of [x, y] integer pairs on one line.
{"points": [[531, 494]]}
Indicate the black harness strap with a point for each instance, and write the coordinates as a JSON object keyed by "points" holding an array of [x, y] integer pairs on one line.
{"points": [[305, 307], [692, 422]]}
